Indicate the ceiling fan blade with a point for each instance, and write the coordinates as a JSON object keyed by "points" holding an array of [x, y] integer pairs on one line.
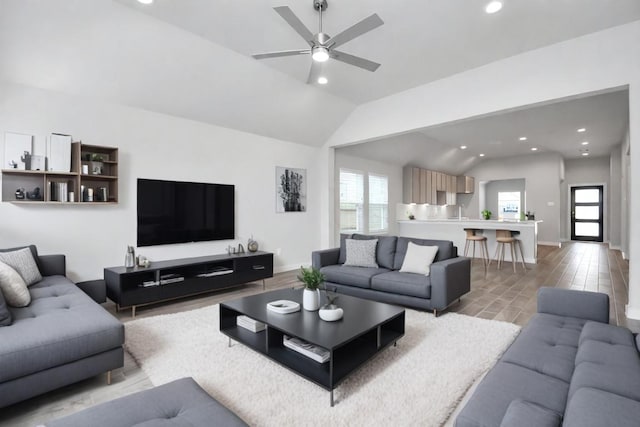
{"points": [[287, 14], [366, 25], [354, 60], [281, 53], [315, 72]]}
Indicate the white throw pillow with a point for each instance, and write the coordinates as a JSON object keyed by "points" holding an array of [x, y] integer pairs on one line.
{"points": [[22, 261], [361, 253], [13, 287], [418, 259]]}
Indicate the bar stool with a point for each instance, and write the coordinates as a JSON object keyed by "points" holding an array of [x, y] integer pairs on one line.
{"points": [[482, 240], [505, 237]]}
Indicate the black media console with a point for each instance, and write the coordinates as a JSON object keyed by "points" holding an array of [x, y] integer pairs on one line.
{"points": [[165, 280]]}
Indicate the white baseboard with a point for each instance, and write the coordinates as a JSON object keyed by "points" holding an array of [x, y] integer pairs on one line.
{"points": [[283, 268], [556, 244], [632, 312], [615, 247]]}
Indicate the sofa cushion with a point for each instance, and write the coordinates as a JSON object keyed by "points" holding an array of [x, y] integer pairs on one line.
{"points": [[418, 259], [548, 345], [445, 249], [607, 333], [61, 325], [343, 248], [410, 284], [13, 287], [23, 262], [352, 276], [180, 403], [527, 414], [385, 251], [599, 352], [5, 314], [591, 407], [504, 383], [361, 253], [617, 379]]}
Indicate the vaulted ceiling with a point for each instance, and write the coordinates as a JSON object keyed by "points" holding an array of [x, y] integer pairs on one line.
{"points": [[191, 58]]}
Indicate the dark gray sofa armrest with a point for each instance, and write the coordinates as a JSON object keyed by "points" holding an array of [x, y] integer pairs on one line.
{"points": [[325, 257], [521, 413], [52, 265], [571, 303], [450, 279]]}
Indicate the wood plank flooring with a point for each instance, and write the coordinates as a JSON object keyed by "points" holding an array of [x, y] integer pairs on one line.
{"points": [[501, 295]]}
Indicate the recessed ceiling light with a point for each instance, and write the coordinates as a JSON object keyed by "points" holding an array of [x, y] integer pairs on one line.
{"points": [[493, 6], [481, 154], [582, 130], [585, 143], [523, 138], [534, 149], [322, 80], [585, 154], [145, 1], [463, 147]]}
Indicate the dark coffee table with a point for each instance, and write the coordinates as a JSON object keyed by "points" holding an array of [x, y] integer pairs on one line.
{"points": [[367, 328]]}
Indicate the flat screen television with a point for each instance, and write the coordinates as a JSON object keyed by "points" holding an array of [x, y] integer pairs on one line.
{"points": [[180, 212]]}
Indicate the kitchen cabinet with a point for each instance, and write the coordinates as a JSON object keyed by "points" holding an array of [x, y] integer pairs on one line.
{"points": [[465, 184]]}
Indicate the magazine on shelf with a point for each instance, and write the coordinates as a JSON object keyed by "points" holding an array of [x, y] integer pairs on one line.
{"points": [[319, 354], [250, 324], [283, 306]]}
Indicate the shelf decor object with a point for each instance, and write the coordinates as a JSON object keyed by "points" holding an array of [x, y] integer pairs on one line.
{"points": [[16, 149]]}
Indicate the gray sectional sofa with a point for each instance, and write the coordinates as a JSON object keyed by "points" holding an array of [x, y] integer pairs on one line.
{"points": [[449, 279], [61, 337], [567, 367]]}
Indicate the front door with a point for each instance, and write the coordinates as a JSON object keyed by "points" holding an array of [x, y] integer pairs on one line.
{"points": [[586, 213]]}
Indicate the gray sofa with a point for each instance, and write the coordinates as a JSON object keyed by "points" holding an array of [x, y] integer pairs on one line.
{"points": [[567, 367], [450, 276], [179, 403], [61, 337]]}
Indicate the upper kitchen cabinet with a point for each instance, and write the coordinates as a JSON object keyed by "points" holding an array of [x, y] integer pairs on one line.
{"points": [[465, 184]]}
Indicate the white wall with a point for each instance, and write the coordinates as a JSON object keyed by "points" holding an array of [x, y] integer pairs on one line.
{"points": [[586, 171], [625, 195], [154, 146], [393, 172], [542, 181], [615, 198]]}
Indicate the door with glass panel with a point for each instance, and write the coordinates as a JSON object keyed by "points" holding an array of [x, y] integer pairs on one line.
{"points": [[586, 213]]}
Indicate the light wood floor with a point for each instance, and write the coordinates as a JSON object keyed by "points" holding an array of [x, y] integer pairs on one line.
{"points": [[501, 295]]}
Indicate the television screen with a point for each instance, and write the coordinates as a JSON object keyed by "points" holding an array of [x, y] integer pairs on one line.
{"points": [[179, 212]]}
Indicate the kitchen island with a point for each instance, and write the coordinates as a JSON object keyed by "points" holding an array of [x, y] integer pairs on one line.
{"points": [[453, 229]]}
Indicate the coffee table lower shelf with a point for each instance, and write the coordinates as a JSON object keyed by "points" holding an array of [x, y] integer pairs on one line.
{"points": [[344, 359]]}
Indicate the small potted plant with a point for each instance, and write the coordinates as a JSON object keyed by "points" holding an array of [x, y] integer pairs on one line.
{"points": [[312, 280], [486, 214], [410, 215]]}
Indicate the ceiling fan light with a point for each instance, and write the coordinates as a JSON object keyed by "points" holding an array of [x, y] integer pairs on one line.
{"points": [[493, 6], [320, 54]]}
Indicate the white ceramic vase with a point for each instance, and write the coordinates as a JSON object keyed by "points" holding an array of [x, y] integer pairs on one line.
{"points": [[311, 299]]}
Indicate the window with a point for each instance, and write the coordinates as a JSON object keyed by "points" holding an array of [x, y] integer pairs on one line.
{"points": [[509, 205], [351, 201], [378, 204], [364, 203]]}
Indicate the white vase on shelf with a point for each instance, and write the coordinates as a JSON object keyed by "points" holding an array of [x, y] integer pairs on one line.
{"points": [[311, 299]]}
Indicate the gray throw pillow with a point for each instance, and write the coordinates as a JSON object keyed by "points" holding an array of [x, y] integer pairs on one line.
{"points": [[13, 287], [361, 253], [22, 261], [5, 314]]}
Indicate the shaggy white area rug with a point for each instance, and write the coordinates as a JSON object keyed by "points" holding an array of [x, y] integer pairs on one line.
{"points": [[419, 382]]}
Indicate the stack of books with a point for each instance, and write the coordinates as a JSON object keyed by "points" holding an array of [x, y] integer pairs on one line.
{"points": [[58, 191], [319, 354], [250, 324]]}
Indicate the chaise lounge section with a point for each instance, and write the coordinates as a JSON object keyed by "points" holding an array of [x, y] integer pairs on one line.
{"points": [[449, 278], [567, 367], [61, 337]]}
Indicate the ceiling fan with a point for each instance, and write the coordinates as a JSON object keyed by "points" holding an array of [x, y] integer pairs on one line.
{"points": [[322, 46]]}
